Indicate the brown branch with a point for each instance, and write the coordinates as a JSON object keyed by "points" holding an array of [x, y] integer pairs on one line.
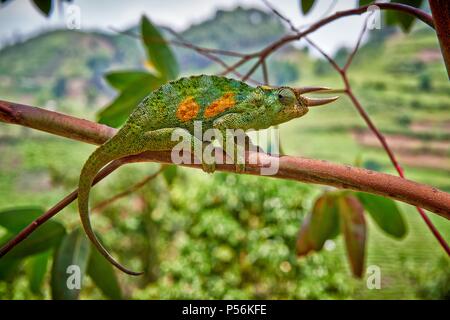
{"points": [[281, 16], [441, 15], [54, 122], [301, 169]]}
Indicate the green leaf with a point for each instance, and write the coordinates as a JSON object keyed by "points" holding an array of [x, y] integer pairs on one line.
{"points": [[320, 225], [43, 238], [120, 80], [306, 5], [8, 268], [119, 110], [36, 271], [72, 253], [45, 6], [15, 219], [385, 213], [353, 225], [158, 52], [404, 20], [169, 173], [103, 275]]}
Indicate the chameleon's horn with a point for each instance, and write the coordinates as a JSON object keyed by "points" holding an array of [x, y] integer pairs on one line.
{"points": [[310, 89], [312, 102]]}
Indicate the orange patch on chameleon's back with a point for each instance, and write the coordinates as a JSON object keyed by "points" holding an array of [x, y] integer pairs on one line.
{"points": [[187, 109], [220, 105]]}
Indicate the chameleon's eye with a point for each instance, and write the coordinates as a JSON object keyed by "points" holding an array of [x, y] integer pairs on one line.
{"points": [[286, 96]]}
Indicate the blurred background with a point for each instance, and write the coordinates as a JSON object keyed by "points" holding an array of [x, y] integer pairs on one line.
{"points": [[225, 235]]}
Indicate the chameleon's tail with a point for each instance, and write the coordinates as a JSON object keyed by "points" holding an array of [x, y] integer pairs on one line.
{"points": [[101, 157]]}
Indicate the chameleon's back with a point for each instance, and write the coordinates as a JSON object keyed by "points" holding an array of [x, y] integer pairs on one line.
{"points": [[179, 103]]}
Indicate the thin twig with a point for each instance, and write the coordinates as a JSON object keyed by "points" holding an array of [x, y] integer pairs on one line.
{"points": [[307, 170]]}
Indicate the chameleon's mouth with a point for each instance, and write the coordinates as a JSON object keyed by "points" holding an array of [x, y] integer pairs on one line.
{"points": [[312, 102]]}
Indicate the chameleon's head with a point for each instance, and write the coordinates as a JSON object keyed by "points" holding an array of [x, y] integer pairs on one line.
{"points": [[288, 103]]}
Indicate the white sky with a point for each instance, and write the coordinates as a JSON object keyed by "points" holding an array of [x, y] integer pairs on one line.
{"points": [[19, 17]]}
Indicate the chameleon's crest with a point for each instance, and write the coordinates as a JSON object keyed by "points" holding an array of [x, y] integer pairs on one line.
{"points": [[187, 109], [220, 105]]}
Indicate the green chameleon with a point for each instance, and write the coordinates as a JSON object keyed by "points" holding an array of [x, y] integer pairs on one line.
{"points": [[218, 102]]}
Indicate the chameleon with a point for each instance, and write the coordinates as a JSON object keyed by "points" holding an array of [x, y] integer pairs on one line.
{"points": [[218, 102]]}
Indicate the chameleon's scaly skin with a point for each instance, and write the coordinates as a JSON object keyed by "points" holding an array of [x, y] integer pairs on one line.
{"points": [[218, 102]]}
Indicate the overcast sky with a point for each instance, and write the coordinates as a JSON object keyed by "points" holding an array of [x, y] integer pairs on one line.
{"points": [[19, 17]]}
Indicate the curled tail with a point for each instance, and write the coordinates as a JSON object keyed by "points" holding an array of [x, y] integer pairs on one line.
{"points": [[101, 157]]}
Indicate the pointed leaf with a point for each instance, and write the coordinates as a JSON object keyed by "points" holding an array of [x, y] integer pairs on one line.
{"points": [[103, 275], [120, 80], [353, 227], [385, 213], [37, 270], [119, 110], [45, 237], [15, 219], [306, 5], [45, 6], [404, 20], [158, 52], [69, 266], [363, 3]]}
